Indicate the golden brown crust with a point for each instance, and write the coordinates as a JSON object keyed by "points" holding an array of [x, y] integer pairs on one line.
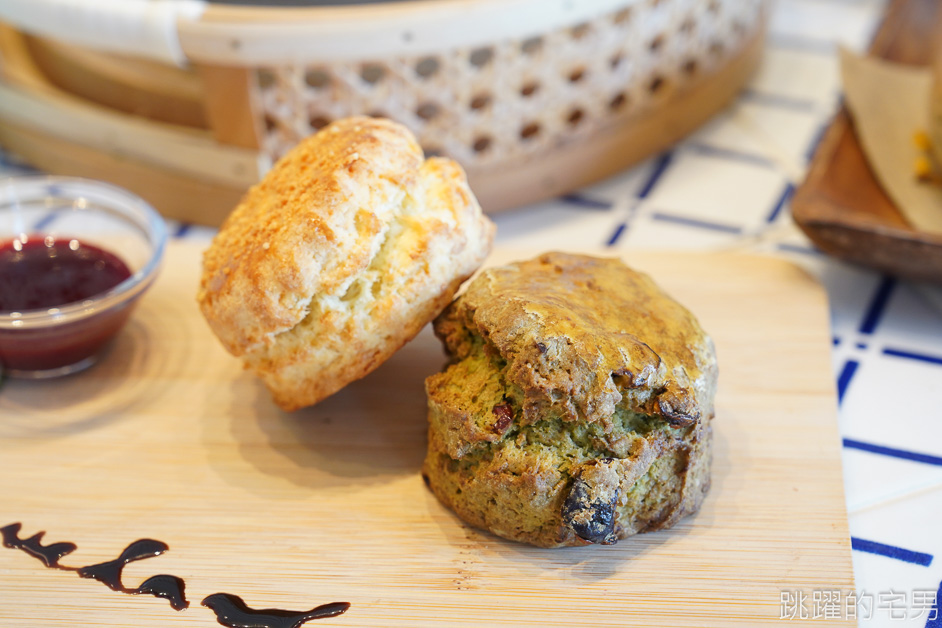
{"points": [[577, 405], [340, 255], [580, 332], [290, 237]]}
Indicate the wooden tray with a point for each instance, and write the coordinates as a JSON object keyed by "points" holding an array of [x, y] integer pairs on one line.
{"points": [[840, 205], [168, 438]]}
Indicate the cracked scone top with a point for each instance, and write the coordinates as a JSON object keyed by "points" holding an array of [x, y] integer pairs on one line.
{"points": [[340, 255], [576, 406]]}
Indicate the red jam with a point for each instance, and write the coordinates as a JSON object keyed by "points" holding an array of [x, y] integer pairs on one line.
{"points": [[39, 274]]}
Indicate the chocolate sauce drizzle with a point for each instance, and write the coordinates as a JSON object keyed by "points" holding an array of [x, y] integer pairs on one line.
{"points": [[170, 588], [109, 573], [230, 610], [49, 554]]}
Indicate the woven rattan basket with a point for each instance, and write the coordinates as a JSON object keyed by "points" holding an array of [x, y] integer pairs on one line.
{"points": [[188, 103]]}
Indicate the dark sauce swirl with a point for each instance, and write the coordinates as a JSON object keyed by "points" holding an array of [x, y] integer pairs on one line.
{"points": [[48, 554], [230, 610], [170, 588]]}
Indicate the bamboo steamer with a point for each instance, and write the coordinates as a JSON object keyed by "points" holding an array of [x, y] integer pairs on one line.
{"points": [[188, 103]]}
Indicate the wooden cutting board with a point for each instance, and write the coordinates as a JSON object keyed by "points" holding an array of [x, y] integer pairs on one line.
{"points": [[167, 438]]}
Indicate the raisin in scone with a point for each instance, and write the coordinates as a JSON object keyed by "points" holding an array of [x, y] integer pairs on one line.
{"points": [[340, 255], [576, 405]]}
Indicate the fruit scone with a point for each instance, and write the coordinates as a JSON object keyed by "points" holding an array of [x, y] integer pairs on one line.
{"points": [[576, 405], [349, 246]]}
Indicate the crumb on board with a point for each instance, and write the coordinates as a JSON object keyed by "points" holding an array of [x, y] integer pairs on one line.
{"points": [[924, 167]]}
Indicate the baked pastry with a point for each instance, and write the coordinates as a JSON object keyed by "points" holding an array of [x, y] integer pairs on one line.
{"points": [[576, 406], [340, 255]]}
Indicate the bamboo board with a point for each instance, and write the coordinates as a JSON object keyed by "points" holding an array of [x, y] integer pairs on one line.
{"points": [[168, 438]]}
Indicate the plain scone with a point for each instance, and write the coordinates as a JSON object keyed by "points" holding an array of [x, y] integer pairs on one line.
{"points": [[576, 407], [339, 256]]}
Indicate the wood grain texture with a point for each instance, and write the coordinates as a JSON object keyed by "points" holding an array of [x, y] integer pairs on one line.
{"points": [[168, 438], [176, 195], [230, 105], [164, 147], [130, 84], [840, 205]]}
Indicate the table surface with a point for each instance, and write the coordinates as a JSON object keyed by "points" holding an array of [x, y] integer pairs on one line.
{"points": [[728, 187], [171, 439]]}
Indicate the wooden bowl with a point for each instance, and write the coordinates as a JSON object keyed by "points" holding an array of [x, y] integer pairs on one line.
{"points": [[840, 205]]}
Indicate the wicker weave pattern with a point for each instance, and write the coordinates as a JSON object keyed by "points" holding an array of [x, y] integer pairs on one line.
{"points": [[499, 103]]}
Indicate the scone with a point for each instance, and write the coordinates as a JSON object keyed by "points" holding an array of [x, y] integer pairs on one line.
{"points": [[576, 406], [340, 255]]}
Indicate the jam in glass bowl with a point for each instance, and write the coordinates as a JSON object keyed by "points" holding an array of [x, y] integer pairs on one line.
{"points": [[75, 255]]}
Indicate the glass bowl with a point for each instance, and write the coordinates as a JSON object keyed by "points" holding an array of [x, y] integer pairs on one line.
{"points": [[47, 223]]}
